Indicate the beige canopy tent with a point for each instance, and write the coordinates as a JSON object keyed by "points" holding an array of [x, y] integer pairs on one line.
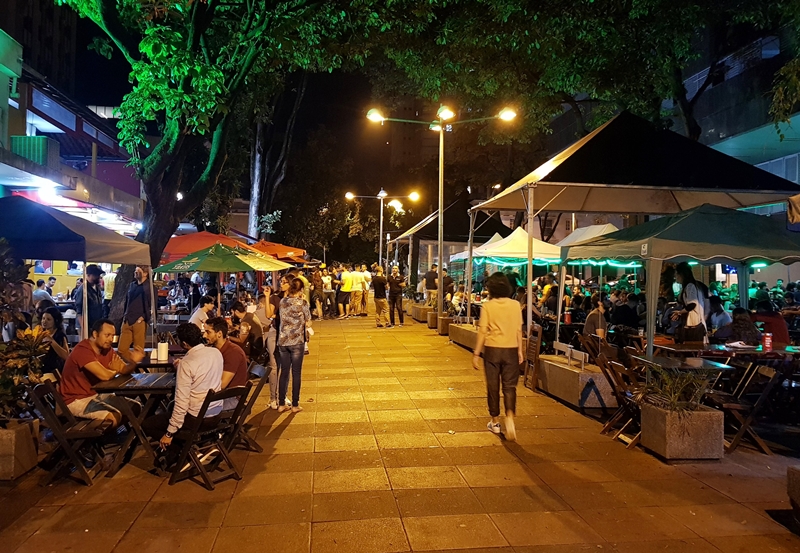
{"points": [[515, 246], [585, 234], [706, 234], [629, 166]]}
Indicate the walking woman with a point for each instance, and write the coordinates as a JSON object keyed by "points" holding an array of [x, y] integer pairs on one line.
{"points": [[295, 317], [500, 331]]}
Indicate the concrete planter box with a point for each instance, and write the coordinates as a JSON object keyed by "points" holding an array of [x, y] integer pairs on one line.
{"points": [[407, 303], [444, 325], [463, 335], [433, 319], [694, 435], [419, 312], [19, 448], [584, 388]]}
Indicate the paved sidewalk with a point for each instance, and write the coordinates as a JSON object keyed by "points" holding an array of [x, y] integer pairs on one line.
{"points": [[393, 454]]}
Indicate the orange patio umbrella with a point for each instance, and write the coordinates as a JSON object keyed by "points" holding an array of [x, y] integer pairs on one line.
{"points": [[279, 251], [180, 246]]}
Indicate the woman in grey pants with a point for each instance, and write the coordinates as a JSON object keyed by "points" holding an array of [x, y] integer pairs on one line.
{"points": [[500, 335]]}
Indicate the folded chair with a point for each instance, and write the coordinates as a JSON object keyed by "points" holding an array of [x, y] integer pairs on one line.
{"points": [[202, 436], [740, 410], [589, 346], [239, 433], [76, 437], [626, 384], [531, 375]]}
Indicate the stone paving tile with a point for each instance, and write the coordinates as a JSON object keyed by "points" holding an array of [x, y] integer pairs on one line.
{"points": [[167, 541], [378, 535], [351, 480], [491, 476], [452, 531], [752, 544], [344, 443], [407, 440], [438, 501], [709, 521], [416, 457], [246, 510], [635, 524], [425, 477], [545, 528], [329, 507], [293, 538], [101, 517], [696, 545], [347, 460], [69, 542], [182, 515]]}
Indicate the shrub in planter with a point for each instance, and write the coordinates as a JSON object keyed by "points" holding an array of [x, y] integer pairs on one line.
{"points": [[674, 423]]}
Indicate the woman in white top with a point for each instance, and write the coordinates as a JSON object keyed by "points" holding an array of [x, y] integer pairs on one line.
{"points": [[693, 298], [500, 330]]}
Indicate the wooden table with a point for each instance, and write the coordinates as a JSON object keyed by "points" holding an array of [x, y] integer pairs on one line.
{"points": [[723, 350], [150, 387]]}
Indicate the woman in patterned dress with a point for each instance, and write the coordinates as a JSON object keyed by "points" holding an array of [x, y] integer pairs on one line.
{"points": [[295, 317]]}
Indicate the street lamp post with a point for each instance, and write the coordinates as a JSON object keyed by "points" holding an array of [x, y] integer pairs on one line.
{"points": [[395, 203], [443, 114]]}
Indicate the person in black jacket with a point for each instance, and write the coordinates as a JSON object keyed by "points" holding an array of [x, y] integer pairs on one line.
{"points": [[138, 302]]}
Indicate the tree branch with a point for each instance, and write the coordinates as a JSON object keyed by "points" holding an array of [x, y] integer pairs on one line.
{"points": [[109, 21]]}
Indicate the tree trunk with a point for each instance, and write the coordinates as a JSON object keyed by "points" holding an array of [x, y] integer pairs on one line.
{"points": [[547, 235], [257, 164]]}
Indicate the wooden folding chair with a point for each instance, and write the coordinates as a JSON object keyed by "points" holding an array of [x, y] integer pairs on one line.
{"points": [[73, 435], [589, 346], [239, 433], [531, 374], [740, 413], [626, 384], [621, 413], [202, 436]]}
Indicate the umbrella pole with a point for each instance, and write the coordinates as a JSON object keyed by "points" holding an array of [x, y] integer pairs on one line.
{"points": [[562, 276], [85, 306], [653, 268]]}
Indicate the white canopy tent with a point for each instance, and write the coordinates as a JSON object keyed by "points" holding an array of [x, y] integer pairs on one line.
{"points": [[463, 256], [515, 246]]}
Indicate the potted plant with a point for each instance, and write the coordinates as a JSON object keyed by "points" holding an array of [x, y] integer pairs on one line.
{"points": [[674, 423], [20, 364]]}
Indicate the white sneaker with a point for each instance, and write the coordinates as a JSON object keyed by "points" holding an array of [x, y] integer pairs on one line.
{"points": [[288, 402], [273, 404], [494, 428], [511, 431]]}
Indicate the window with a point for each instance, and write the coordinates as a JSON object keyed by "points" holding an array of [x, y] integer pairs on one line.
{"points": [[569, 225], [53, 109]]}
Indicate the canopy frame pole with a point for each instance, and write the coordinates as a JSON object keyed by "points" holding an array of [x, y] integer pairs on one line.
{"points": [[653, 267], [743, 277], [529, 276], [153, 302], [468, 283], [562, 277]]}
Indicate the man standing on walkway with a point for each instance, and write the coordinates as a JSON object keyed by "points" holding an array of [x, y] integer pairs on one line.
{"points": [[137, 313], [346, 286], [357, 291], [432, 285], [381, 305], [367, 282], [448, 286], [396, 284], [94, 295]]}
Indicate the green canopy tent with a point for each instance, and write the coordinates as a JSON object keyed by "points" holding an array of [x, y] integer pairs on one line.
{"points": [[706, 234]]}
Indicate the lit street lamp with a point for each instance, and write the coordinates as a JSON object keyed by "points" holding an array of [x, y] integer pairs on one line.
{"points": [[395, 203], [443, 114]]}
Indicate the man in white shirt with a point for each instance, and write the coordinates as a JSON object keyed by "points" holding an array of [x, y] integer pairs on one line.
{"points": [[199, 371], [196, 278], [200, 315], [367, 282]]}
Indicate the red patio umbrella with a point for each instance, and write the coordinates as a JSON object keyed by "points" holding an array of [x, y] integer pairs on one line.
{"points": [[180, 246]]}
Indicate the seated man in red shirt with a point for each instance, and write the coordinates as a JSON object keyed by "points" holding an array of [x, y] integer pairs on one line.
{"points": [[94, 360], [234, 360], [774, 323]]}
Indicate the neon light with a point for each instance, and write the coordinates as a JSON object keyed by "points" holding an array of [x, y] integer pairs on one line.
{"points": [[759, 265]]}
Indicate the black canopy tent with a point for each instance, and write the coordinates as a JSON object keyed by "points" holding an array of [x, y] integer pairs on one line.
{"points": [[456, 232], [629, 166]]}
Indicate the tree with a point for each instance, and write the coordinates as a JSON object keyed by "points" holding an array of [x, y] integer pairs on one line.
{"points": [[191, 61]]}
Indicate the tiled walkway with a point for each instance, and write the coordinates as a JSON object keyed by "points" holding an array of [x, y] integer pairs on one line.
{"points": [[393, 454]]}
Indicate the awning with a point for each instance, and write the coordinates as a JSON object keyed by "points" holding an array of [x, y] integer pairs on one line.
{"points": [[221, 258], [515, 246], [456, 225], [280, 251], [36, 231], [628, 166], [463, 256], [587, 233]]}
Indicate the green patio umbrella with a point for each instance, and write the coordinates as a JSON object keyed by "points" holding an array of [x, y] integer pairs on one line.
{"points": [[222, 259]]}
